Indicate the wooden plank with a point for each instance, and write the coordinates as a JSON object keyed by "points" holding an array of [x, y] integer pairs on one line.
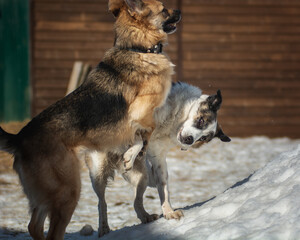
{"points": [[244, 2], [51, 83], [253, 121], [238, 65], [283, 21], [241, 47], [256, 102], [85, 71], [87, 55], [74, 26], [45, 101], [75, 76], [240, 10], [263, 84], [240, 38], [52, 73], [54, 94], [67, 1], [251, 92], [97, 7], [73, 45], [200, 75], [200, 27], [259, 111], [52, 64], [241, 56], [74, 36], [234, 130], [74, 17]]}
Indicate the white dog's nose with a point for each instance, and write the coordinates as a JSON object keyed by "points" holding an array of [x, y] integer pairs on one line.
{"points": [[189, 140]]}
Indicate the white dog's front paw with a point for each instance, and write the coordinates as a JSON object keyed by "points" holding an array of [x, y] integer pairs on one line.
{"points": [[128, 159], [128, 165], [174, 215]]}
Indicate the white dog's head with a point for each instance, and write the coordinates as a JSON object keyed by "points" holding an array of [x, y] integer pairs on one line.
{"points": [[201, 125]]}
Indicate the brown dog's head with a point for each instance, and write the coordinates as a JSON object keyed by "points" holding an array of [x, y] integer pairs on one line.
{"points": [[142, 23]]}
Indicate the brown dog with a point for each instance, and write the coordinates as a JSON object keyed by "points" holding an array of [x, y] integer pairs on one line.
{"points": [[118, 98]]}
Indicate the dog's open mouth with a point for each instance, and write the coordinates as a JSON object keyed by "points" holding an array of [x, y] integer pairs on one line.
{"points": [[169, 26]]}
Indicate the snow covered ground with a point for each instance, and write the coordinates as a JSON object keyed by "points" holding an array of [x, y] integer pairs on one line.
{"points": [[264, 206]]}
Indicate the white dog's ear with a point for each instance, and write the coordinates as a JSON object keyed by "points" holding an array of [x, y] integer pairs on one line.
{"points": [[214, 101], [135, 5], [220, 134]]}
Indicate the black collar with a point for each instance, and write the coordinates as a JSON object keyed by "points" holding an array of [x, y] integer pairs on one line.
{"points": [[155, 49]]}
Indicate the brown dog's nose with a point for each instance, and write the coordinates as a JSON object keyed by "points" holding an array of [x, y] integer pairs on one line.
{"points": [[177, 14]]}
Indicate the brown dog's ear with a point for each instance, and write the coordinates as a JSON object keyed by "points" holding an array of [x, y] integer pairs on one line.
{"points": [[220, 134], [114, 6], [135, 5]]}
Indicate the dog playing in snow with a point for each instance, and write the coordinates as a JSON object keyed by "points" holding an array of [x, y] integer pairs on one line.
{"points": [[112, 107], [187, 119]]}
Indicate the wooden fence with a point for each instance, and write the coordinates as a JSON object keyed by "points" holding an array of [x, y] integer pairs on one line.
{"points": [[250, 49]]}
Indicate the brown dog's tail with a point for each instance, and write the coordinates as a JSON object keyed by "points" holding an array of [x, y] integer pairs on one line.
{"points": [[7, 142]]}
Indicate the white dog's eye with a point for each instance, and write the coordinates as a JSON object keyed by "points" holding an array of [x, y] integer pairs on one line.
{"points": [[200, 123], [202, 138]]}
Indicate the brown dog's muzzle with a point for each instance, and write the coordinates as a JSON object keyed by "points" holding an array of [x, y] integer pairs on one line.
{"points": [[169, 26]]}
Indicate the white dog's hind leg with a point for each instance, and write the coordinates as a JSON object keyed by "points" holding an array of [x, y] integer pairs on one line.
{"points": [[100, 171], [139, 179]]}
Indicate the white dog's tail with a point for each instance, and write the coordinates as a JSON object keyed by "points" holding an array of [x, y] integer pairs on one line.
{"points": [[7, 142]]}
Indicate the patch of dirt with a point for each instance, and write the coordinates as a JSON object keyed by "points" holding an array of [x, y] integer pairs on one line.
{"points": [[6, 160]]}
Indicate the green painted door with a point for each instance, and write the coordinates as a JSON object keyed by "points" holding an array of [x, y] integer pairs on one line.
{"points": [[14, 60]]}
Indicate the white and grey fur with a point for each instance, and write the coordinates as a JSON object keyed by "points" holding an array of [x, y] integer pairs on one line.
{"points": [[176, 121]]}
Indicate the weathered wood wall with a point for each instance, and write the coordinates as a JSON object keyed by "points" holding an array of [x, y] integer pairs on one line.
{"points": [[250, 49]]}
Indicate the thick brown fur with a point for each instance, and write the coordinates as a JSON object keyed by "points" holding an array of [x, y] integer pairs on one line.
{"points": [[116, 100]]}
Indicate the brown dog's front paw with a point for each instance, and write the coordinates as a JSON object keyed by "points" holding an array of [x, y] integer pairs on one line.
{"points": [[104, 230], [149, 218], [174, 215]]}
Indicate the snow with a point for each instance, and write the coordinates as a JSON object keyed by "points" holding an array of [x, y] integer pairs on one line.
{"points": [[263, 205]]}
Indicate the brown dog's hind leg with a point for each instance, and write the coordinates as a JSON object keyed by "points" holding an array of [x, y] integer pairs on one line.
{"points": [[66, 195], [60, 217], [36, 225]]}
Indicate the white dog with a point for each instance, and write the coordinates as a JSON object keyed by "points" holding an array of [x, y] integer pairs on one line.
{"points": [[187, 119]]}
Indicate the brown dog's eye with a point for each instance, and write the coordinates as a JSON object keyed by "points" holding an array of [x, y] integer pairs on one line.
{"points": [[200, 123], [165, 12]]}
